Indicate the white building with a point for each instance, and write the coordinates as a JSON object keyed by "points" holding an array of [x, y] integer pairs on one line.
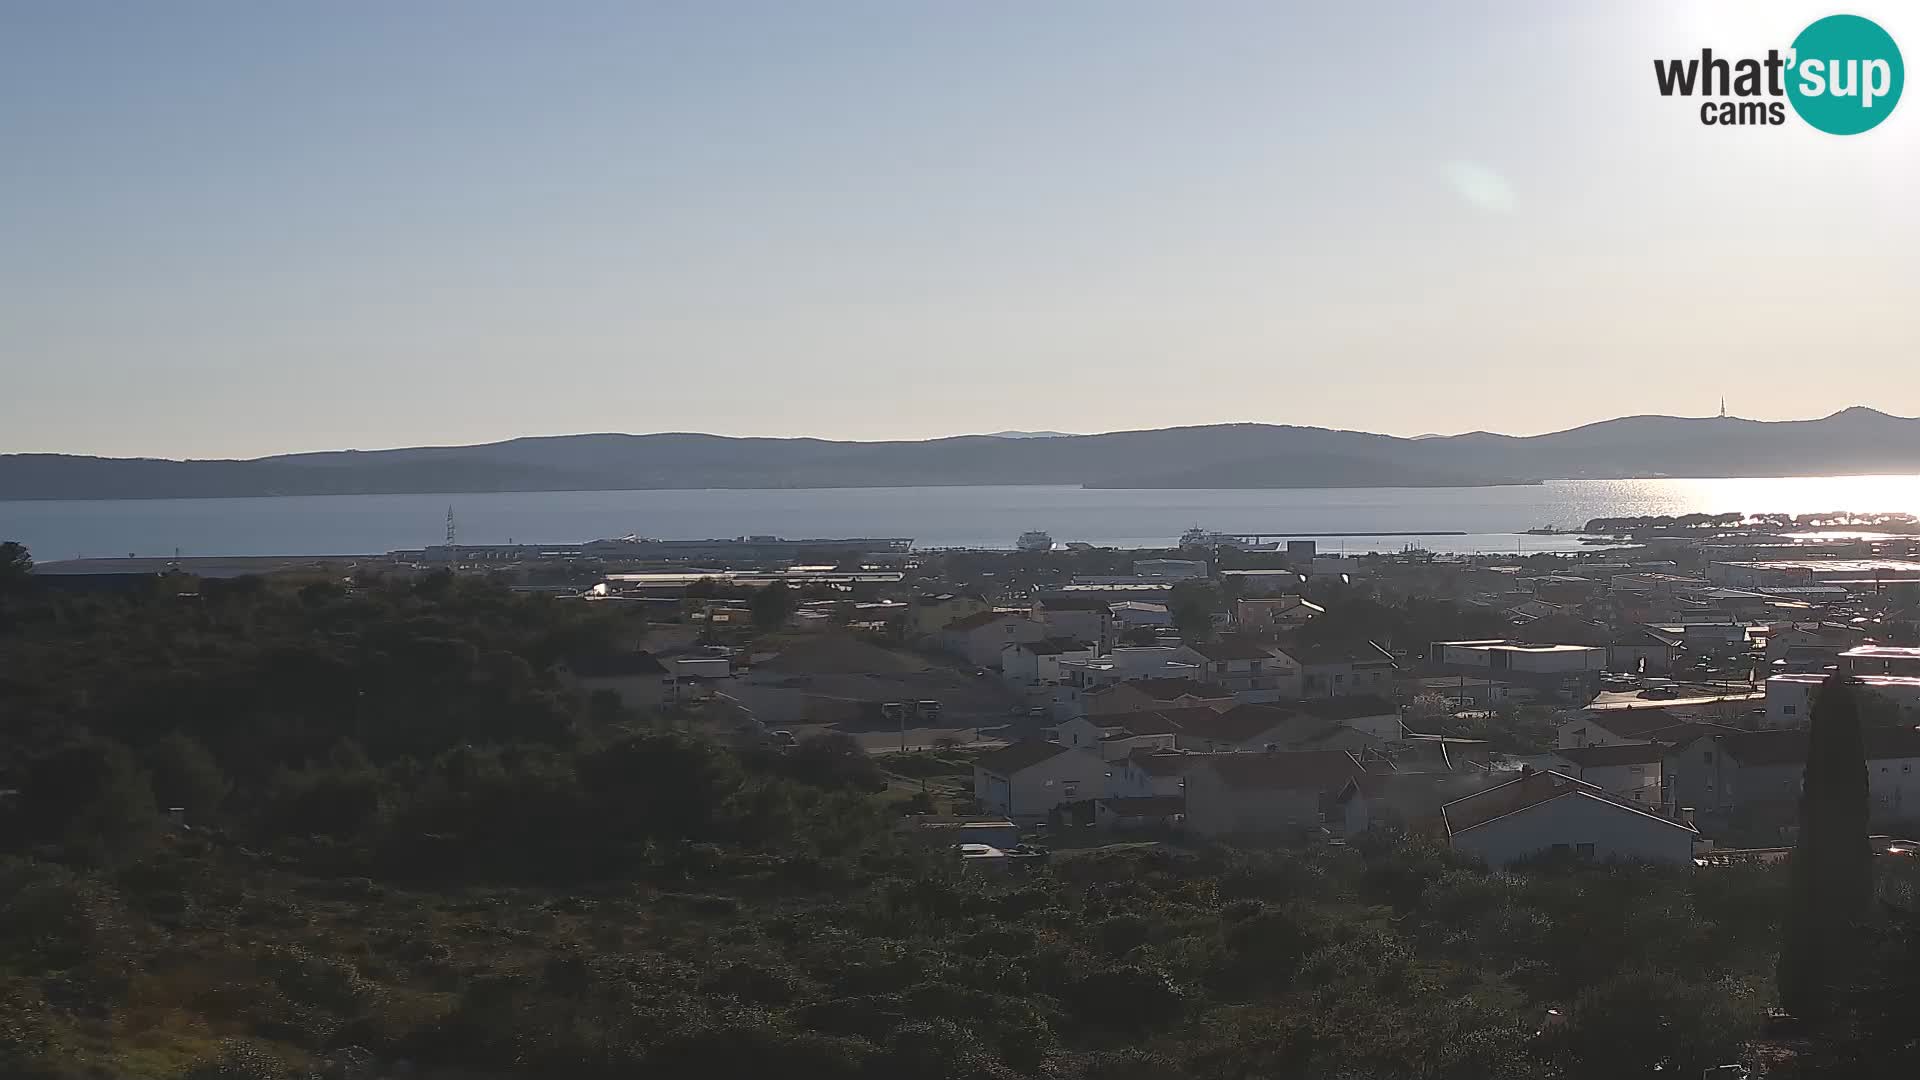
{"points": [[638, 679], [1629, 771], [980, 637], [1520, 658], [1170, 569], [1029, 779], [1790, 697], [1550, 813], [1037, 663], [1254, 672]]}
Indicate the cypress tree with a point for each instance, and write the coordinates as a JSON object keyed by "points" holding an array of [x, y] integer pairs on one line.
{"points": [[1832, 882]]}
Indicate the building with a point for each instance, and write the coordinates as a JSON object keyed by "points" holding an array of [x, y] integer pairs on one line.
{"points": [[1759, 574], [980, 637], [1251, 670], [1254, 728], [1880, 660], [1265, 582], [1790, 696], [638, 679], [1613, 727], [1544, 813], [1082, 618], [1811, 645], [1140, 812], [1138, 615], [1409, 801], [1642, 650], [1034, 663], [929, 613], [1152, 772], [1368, 713], [1170, 569], [1338, 670], [1629, 771], [1759, 772], [1265, 793], [1276, 615], [1555, 666], [1118, 735], [1030, 779], [1143, 695]]}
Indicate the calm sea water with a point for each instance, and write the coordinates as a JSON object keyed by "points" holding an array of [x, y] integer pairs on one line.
{"points": [[1492, 517]]}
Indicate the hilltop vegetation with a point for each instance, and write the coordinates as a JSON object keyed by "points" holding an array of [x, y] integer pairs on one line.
{"points": [[407, 844]]}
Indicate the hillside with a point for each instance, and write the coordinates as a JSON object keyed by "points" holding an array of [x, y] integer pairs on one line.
{"points": [[1856, 440]]}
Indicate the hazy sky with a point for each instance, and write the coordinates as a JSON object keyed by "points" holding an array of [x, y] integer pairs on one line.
{"points": [[238, 228]]}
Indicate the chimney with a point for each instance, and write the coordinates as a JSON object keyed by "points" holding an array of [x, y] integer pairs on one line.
{"points": [[1686, 816]]}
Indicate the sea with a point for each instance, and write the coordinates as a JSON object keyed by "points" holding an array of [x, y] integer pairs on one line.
{"points": [[1350, 520]]}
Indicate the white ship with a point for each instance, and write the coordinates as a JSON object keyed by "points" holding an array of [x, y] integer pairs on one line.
{"points": [[1037, 540]]}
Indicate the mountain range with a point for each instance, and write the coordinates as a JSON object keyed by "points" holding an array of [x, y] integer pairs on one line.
{"points": [[1855, 440]]}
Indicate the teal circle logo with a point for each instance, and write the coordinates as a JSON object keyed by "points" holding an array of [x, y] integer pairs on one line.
{"points": [[1846, 75]]}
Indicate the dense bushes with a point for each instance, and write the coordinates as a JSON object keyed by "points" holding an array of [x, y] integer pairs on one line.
{"points": [[402, 843]]}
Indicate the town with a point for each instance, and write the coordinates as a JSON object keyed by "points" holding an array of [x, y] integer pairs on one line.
{"points": [[1646, 699]]}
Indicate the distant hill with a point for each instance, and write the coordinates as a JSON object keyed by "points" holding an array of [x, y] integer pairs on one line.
{"points": [[1029, 434], [1857, 440]]}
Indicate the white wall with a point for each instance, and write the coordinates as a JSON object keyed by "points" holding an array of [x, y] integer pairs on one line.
{"points": [[1893, 789], [1642, 786], [1614, 831], [1036, 789]]}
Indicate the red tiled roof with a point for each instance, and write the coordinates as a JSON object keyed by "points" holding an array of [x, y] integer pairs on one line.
{"points": [[1598, 757], [1021, 755], [1321, 770], [1238, 724], [1234, 648], [1160, 763], [978, 619], [1528, 791], [1175, 688], [1518, 794], [1351, 707]]}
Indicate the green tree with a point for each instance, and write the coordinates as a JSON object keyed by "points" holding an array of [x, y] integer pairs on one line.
{"points": [[185, 775], [1192, 604], [16, 565], [1832, 875], [772, 606]]}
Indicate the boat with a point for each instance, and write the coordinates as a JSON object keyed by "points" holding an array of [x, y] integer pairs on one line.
{"points": [[1198, 537], [1036, 540]]}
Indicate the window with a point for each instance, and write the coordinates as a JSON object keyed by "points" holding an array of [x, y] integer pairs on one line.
{"points": [[1706, 756], [1790, 709], [1585, 851], [1338, 679], [1072, 788]]}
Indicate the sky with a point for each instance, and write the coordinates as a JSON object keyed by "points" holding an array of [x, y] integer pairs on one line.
{"points": [[250, 227]]}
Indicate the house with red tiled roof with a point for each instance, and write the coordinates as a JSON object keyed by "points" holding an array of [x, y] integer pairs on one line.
{"points": [[1759, 773], [1254, 670], [638, 679], [1117, 735], [1030, 779], [1279, 792], [979, 637], [1147, 695], [1630, 771], [1546, 813]]}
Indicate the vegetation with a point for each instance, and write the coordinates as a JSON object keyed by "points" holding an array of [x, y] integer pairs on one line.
{"points": [[399, 839], [1832, 878]]}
